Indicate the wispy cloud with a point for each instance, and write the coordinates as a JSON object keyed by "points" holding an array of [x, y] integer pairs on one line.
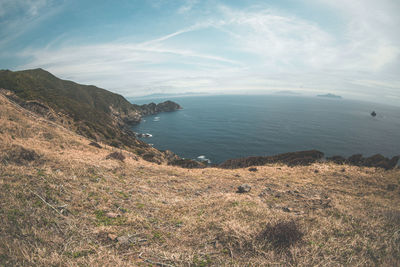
{"points": [[229, 48], [187, 6], [19, 16]]}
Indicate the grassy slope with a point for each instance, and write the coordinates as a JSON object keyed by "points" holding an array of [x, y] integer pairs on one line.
{"points": [[87, 105], [85, 102], [349, 215]]}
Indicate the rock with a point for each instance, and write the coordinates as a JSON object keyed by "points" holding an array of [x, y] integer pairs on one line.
{"points": [[116, 155], [356, 160], [244, 188], [377, 161], [252, 169], [152, 108], [113, 237], [337, 159], [170, 156], [286, 209], [380, 161], [300, 158], [316, 171], [391, 187], [95, 144], [112, 215], [124, 240]]}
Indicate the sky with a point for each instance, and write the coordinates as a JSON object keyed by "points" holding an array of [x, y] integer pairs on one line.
{"points": [[141, 47]]}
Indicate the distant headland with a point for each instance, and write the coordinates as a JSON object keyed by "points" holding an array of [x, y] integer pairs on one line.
{"points": [[330, 96]]}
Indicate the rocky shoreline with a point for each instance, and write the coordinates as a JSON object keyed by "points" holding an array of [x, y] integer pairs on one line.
{"points": [[305, 158]]}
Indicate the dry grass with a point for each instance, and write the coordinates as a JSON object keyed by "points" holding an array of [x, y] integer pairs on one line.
{"points": [[72, 206]]}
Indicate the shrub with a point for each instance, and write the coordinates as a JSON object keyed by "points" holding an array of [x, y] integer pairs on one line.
{"points": [[281, 235], [151, 157], [116, 155], [393, 217], [20, 155]]}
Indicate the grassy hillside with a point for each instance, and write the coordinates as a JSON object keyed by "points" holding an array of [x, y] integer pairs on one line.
{"points": [[64, 202], [96, 113]]}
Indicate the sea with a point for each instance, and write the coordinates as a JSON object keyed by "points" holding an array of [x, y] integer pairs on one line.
{"points": [[217, 128]]}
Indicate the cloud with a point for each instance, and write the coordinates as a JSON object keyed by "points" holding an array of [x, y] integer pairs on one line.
{"points": [[19, 16], [131, 68], [26, 7], [245, 49], [187, 6]]}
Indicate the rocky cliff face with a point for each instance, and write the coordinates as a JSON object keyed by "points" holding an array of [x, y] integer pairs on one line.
{"points": [[152, 108]]}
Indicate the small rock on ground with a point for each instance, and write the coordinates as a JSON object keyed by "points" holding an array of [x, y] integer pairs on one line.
{"points": [[244, 188], [123, 240], [112, 215]]}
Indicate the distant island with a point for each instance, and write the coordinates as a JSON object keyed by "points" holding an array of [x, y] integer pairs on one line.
{"points": [[330, 96], [286, 92]]}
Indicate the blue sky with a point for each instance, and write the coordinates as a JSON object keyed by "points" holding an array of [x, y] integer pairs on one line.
{"points": [[139, 47]]}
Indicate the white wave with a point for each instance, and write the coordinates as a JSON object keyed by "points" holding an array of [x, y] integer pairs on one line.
{"points": [[204, 159]]}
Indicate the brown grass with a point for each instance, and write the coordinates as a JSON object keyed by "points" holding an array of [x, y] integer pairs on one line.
{"points": [[75, 207]]}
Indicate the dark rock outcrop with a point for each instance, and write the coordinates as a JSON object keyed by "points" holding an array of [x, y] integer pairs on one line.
{"points": [[380, 161], [244, 188], [116, 155], [337, 159], [152, 108], [377, 161], [291, 159], [95, 144], [356, 160]]}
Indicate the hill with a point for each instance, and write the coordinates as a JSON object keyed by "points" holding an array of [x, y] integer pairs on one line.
{"points": [[91, 111], [66, 202]]}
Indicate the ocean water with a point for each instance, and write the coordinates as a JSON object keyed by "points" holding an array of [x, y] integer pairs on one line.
{"points": [[217, 128]]}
